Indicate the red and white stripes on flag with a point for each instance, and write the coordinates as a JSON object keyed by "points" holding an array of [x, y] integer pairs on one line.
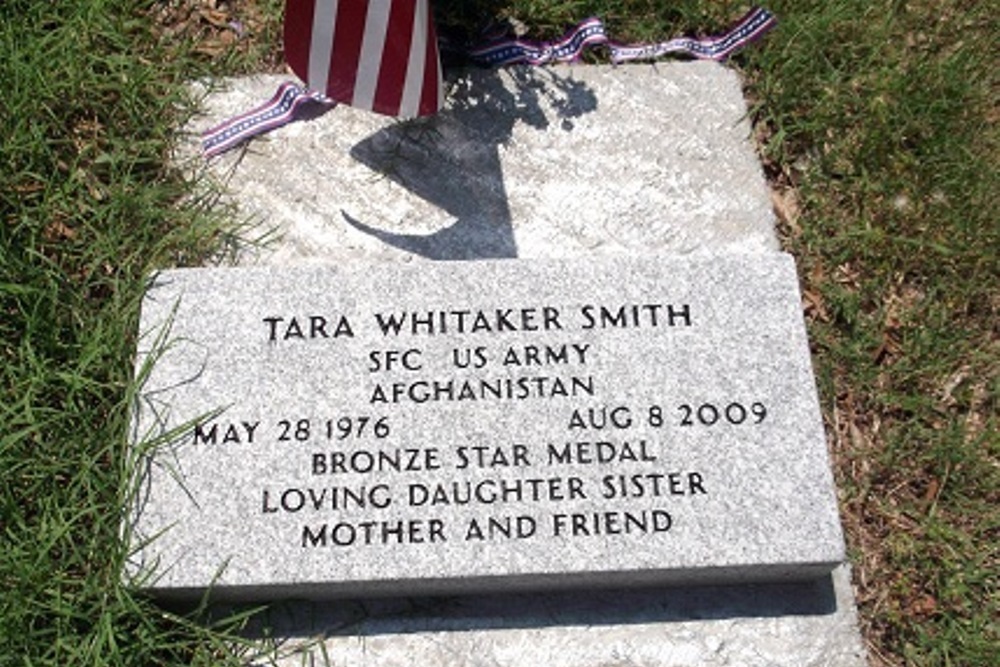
{"points": [[380, 55]]}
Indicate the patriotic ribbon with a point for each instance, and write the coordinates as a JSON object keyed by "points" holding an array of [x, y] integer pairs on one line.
{"points": [[288, 102], [281, 109], [591, 32]]}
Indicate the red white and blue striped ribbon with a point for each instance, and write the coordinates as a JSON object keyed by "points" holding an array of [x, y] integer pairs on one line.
{"points": [[287, 103], [591, 32], [279, 110]]}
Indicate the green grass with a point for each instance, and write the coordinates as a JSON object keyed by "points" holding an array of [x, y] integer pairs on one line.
{"points": [[886, 135], [877, 124], [87, 208]]}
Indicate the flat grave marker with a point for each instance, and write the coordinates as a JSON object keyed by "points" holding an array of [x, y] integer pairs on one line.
{"points": [[431, 428]]}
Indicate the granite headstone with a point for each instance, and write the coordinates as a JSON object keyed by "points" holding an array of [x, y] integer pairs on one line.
{"points": [[451, 427]]}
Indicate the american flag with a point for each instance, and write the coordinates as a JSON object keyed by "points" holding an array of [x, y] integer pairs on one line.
{"points": [[380, 55]]}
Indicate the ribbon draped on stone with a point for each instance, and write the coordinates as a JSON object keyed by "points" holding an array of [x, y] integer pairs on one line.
{"points": [[382, 55]]}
